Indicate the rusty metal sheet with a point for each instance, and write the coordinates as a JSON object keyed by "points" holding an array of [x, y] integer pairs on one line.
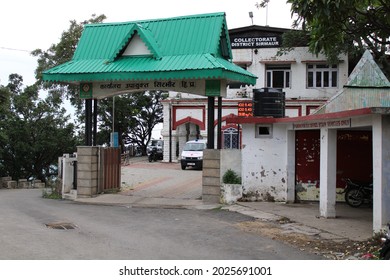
{"points": [[111, 169]]}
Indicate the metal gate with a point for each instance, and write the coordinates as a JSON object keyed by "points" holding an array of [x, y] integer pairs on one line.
{"points": [[110, 173]]}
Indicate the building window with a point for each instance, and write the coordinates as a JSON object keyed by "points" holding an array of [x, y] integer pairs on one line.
{"points": [[321, 75], [278, 76], [230, 138], [263, 131]]}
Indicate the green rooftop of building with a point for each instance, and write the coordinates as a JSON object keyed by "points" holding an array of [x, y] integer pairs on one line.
{"points": [[187, 47]]}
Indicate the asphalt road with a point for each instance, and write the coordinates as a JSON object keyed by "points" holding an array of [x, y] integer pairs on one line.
{"points": [[120, 233]]}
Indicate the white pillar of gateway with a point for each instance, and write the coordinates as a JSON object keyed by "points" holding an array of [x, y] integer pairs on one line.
{"points": [[381, 171], [290, 196], [328, 170]]}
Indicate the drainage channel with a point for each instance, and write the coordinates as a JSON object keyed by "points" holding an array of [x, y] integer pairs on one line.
{"points": [[61, 225]]}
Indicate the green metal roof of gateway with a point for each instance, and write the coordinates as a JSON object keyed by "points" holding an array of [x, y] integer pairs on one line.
{"points": [[188, 47]]}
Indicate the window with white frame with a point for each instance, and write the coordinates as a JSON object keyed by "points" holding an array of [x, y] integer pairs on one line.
{"points": [[278, 76], [322, 75]]}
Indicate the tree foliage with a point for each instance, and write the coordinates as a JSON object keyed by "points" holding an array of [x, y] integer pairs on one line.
{"points": [[333, 27], [341, 26], [34, 132], [4, 105], [60, 53], [136, 114]]}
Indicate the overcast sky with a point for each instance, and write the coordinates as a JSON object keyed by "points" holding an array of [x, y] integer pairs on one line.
{"points": [[26, 25]]}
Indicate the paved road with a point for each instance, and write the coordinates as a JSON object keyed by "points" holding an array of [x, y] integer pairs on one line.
{"points": [[166, 184], [114, 232], [161, 180]]}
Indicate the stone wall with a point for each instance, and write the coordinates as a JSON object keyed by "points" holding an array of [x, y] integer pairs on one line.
{"points": [[9, 183]]}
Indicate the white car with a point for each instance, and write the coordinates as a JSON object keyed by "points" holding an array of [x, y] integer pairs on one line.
{"points": [[192, 154]]}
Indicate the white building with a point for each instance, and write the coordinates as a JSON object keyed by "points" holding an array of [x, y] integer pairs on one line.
{"points": [[307, 80]]}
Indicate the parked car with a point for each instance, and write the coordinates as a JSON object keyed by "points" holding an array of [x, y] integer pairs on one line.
{"points": [[159, 145], [192, 154]]}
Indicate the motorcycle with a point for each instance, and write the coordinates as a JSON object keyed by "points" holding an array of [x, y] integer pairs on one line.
{"points": [[153, 155], [384, 252], [356, 193]]}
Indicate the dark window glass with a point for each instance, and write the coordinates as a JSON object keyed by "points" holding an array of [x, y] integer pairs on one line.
{"points": [[278, 79], [310, 80], [318, 79], [264, 130], [288, 79], [334, 78], [326, 79]]}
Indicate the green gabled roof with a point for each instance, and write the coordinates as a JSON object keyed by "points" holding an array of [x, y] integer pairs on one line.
{"points": [[188, 47], [144, 68], [146, 37]]}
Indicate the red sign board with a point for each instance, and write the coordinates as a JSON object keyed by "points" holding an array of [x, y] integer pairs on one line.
{"points": [[245, 109]]}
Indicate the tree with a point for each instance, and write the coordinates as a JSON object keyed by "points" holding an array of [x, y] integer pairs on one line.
{"points": [[60, 53], [33, 132], [4, 104], [341, 26], [136, 114], [4, 96], [333, 27], [147, 117]]}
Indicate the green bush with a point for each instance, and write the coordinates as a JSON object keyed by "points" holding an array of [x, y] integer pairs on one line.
{"points": [[231, 177]]}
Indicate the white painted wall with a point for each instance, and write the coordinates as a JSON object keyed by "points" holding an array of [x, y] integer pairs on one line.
{"points": [[264, 174], [230, 159], [196, 113], [136, 47], [381, 172], [298, 71]]}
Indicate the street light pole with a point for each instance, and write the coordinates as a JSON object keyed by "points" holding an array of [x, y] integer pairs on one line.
{"points": [[170, 131], [113, 121]]}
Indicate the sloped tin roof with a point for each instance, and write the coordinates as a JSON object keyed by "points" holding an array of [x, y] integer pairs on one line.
{"points": [[367, 73], [366, 87], [188, 47]]}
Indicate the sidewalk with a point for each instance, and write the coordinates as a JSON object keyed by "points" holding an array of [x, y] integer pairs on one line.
{"points": [[165, 185]]}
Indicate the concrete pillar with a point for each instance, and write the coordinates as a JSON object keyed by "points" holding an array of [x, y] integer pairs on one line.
{"points": [[166, 149], [67, 173], [182, 137], [174, 149], [87, 171], [290, 197], [210, 122], [381, 171], [167, 146], [328, 170], [211, 181]]}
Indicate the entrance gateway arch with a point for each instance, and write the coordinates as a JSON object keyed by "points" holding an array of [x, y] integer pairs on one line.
{"points": [[189, 54]]}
